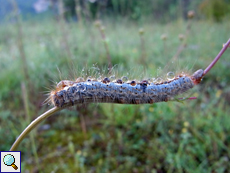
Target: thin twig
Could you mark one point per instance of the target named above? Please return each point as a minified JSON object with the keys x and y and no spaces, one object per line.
{"x":63,"y":26}
{"x":78,"y":12}
{"x":20,"y":43}
{"x":32,"y":125}
{"x":217,"y":57}
{"x":184,"y":38}
{"x":142,"y":47}
{"x":105,"y":41}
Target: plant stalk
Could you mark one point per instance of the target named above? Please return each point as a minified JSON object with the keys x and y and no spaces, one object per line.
{"x":217,"y":57}
{"x":32,"y":125}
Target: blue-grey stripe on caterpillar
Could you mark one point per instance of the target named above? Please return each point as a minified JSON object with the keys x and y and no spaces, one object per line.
{"x":69,"y":93}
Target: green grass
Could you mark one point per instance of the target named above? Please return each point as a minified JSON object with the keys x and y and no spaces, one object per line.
{"x":163,"y":137}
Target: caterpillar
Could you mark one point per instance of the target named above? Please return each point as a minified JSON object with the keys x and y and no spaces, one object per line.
{"x":69,"y":93}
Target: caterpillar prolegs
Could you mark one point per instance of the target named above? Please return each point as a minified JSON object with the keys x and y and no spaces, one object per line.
{"x":68,"y":93}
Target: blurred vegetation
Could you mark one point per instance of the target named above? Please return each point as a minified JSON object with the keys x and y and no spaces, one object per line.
{"x":163,"y":137}
{"x":159,"y":10}
{"x":215,"y":9}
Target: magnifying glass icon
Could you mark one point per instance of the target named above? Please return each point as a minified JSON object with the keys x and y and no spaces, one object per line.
{"x":9,"y":160}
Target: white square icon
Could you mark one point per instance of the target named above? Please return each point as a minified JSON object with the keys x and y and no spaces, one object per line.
{"x":10,"y":161}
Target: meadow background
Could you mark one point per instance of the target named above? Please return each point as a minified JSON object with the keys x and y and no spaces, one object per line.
{"x":144,"y":39}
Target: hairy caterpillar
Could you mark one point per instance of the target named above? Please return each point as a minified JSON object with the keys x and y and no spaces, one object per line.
{"x":68,"y":93}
